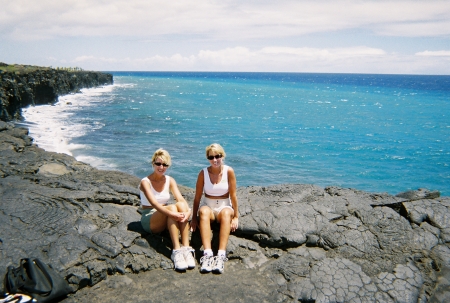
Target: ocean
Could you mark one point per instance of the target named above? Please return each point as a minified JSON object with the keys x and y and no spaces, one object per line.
{"x":377,"y":133}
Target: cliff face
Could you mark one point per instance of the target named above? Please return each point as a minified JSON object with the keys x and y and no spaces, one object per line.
{"x":19,"y":89}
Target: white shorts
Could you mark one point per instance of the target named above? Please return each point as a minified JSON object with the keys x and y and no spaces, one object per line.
{"x":216,"y":204}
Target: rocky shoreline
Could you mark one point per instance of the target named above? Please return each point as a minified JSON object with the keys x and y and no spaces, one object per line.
{"x":295,"y":242}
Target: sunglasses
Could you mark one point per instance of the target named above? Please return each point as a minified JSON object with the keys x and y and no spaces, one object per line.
{"x":216,"y":156}
{"x":159,"y":164}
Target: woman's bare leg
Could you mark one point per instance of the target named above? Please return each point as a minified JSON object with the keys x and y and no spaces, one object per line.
{"x":224,"y":218}
{"x":173,"y":228}
{"x":183,"y":227}
{"x":158,"y":222}
{"x":206,"y":216}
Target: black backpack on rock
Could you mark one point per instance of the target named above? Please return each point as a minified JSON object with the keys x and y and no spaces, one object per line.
{"x":36,"y":279}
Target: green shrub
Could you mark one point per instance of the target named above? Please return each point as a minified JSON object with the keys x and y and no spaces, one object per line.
{"x":19,"y":68}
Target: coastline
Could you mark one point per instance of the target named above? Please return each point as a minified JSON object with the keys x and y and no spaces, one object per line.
{"x":55,"y":135}
{"x":21,"y":86}
{"x":296,"y":242}
{"x":373,"y":157}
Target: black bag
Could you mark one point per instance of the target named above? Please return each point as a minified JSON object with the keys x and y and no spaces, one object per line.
{"x":36,"y":279}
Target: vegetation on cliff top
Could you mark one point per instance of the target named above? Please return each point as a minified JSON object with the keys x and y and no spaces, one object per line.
{"x":20,"y":68}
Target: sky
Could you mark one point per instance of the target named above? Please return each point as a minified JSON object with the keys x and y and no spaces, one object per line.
{"x":322,"y":36}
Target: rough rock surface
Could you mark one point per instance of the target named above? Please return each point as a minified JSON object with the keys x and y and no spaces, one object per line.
{"x":295,"y":243}
{"x":42,"y":86}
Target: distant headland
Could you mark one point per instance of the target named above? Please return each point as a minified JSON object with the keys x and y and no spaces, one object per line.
{"x":23,"y":85}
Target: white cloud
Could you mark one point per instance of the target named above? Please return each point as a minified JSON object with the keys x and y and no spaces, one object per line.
{"x":229,"y":35}
{"x":360,"y":59}
{"x":84,"y":58}
{"x":441,"y":53}
{"x":228,"y":20}
{"x":324,"y":53}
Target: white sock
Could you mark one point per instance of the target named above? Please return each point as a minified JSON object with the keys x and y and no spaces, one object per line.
{"x":208,"y":252}
{"x":222,"y":253}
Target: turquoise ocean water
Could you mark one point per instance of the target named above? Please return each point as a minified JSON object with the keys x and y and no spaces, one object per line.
{"x":378,"y":133}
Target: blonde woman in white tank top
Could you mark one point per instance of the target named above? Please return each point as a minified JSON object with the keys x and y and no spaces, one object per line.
{"x":218,"y":183}
{"x":158,"y":215}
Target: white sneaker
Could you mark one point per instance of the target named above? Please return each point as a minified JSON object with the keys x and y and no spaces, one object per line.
{"x":189,"y":256}
{"x":178,"y":260}
{"x":207,"y":263}
{"x":218,"y":264}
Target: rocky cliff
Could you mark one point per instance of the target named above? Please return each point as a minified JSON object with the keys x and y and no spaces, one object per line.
{"x":21,"y":86}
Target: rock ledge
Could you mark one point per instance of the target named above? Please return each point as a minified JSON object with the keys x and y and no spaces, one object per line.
{"x":295,"y":243}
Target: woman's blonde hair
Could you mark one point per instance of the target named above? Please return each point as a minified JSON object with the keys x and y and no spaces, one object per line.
{"x":217,"y":148}
{"x":164,"y":155}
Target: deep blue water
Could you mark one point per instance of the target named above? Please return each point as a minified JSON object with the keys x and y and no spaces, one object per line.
{"x":378,"y":133}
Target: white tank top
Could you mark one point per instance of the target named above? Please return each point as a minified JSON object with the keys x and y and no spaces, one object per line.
{"x":162,"y":197}
{"x":218,"y":189}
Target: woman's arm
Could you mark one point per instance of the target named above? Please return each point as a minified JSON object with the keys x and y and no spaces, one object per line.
{"x":197,"y":198}
{"x":179,"y":198}
{"x":176,"y":191}
{"x":233,"y":198}
{"x":145,"y":187}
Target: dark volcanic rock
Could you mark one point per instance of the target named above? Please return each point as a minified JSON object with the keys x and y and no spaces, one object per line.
{"x":419,"y":194}
{"x":295,"y":243}
{"x":42,"y":86}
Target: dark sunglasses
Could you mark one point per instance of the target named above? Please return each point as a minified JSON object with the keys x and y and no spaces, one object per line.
{"x":159,"y":164}
{"x":216,"y":156}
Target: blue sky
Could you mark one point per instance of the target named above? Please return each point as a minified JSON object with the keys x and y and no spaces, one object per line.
{"x":400,"y":37}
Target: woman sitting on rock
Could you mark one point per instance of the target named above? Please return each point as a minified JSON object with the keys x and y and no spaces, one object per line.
{"x":158,"y":215}
{"x":220,"y":204}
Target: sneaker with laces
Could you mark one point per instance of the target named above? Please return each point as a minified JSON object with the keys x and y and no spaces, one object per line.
{"x":178,"y":260}
{"x":219,"y":264}
{"x":189,"y":256}
{"x":207,"y":263}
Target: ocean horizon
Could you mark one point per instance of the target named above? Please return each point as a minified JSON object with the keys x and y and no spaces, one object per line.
{"x":377,"y":133}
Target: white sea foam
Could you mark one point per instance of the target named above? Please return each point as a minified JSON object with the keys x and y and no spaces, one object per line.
{"x":51,"y":126}
{"x":96,"y":162}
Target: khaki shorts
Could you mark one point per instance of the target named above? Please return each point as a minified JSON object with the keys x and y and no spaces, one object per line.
{"x":145,"y":218}
{"x":217,"y":205}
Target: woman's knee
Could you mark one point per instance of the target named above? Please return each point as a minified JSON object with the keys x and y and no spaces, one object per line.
{"x":172,"y":207}
{"x":225,"y":215}
{"x":205,"y":212}
{"x":182,"y":206}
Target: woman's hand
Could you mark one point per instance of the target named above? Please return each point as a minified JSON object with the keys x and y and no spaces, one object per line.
{"x":194,"y":224}
{"x":186,"y":215}
{"x":179,"y":217}
{"x":234,"y":224}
